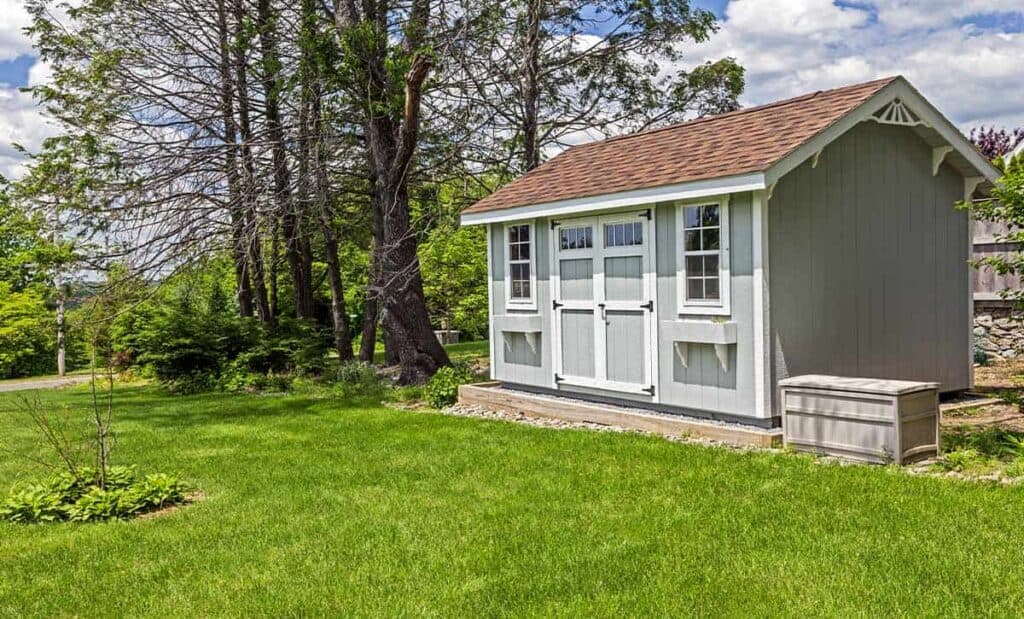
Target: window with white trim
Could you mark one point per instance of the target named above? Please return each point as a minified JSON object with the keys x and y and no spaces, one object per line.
{"x":704,"y":258}
{"x":520,"y":279}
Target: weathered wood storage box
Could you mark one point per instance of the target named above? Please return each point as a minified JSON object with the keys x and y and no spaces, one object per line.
{"x":861,"y":418}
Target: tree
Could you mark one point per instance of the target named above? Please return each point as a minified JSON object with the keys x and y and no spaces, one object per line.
{"x":564,"y":68}
{"x":996,"y":143}
{"x":385,"y":71}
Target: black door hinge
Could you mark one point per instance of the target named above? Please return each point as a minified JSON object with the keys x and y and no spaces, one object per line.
{"x":649,"y":306}
{"x":647,"y":214}
{"x":558,"y":379}
{"x":555,"y":305}
{"x":555,"y":224}
{"x":650,"y":390}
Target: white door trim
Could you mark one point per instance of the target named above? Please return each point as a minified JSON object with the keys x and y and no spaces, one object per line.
{"x":598,"y":304}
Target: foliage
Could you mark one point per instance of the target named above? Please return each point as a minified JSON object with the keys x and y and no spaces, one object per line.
{"x":563,"y":68}
{"x":454,"y":264}
{"x":964,"y":461}
{"x":21,"y":242}
{"x":357,"y":379}
{"x":995,"y":143}
{"x":1006,"y":206}
{"x":124,"y":494}
{"x":443,"y":388}
{"x":188,"y":335}
{"x":26,"y":341}
{"x":980,"y":450}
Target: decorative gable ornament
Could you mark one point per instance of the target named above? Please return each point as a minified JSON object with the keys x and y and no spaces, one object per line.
{"x":896,"y":113}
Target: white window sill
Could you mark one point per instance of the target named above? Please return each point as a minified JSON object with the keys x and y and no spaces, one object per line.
{"x":513,"y":306}
{"x":704,"y":310}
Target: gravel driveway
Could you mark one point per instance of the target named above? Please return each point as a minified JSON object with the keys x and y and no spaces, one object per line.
{"x":45,"y":382}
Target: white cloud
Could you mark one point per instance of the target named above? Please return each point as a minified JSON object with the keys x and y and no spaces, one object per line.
{"x":908,"y":15}
{"x":21,"y":122}
{"x":791,"y":47}
{"x":13,"y":42}
{"x":793,"y":17}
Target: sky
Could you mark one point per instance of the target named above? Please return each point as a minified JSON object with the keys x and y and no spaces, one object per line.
{"x":966,"y":56}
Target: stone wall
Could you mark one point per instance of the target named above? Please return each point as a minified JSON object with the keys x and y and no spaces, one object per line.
{"x":999,"y":330}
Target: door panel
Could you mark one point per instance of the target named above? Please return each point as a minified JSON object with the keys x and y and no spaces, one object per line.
{"x":577,"y":280}
{"x":625,"y":346}
{"x":578,"y":343}
{"x":624,"y":278}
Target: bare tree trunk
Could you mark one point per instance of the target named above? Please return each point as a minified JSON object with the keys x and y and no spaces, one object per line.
{"x":391,"y":139}
{"x":405,"y":314}
{"x":368,"y":341}
{"x":371,"y":309}
{"x":298,"y":253}
{"x":243,"y":289}
{"x":531,"y":88}
{"x":251,"y":228}
{"x":61,"y":343}
{"x":275,"y":261}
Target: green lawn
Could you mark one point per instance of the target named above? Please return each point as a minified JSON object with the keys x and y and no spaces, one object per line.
{"x":324,"y":506}
{"x":463,"y":351}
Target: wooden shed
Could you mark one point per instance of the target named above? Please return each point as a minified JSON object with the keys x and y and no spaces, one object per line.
{"x":688,"y":269}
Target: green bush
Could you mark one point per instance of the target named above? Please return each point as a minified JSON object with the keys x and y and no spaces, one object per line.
{"x":358,"y":378}
{"x":443,"y":388}
{"x":26,"y":343}
{"x":64,"y":497}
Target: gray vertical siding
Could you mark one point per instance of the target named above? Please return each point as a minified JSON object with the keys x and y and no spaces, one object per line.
{"x":703,"y":385}
{"x":518,"y":363}
{"x":868,"y":264}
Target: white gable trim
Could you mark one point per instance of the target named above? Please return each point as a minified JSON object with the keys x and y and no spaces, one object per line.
{"x":665,"y":193}
{"x":908,"y":96}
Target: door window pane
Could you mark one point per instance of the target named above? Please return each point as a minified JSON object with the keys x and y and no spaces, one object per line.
{"x":625,"y":234}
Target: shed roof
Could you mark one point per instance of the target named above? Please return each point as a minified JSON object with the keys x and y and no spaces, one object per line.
{"x":748,"y":140}
{"x":726,"y":146}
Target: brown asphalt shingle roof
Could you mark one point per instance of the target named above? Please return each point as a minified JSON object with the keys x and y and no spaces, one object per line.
{"x":741,"y":142}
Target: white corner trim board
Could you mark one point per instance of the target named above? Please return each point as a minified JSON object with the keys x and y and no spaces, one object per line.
{"x":666,"y":193}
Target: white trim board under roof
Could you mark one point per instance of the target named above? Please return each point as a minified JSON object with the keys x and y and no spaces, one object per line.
{"x":665,"y":193}
{"x":914,"y":111}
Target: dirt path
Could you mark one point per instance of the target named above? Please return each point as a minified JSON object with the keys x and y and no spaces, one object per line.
{"x":42,"y":382}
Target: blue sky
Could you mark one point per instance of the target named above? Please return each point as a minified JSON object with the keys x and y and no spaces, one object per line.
{"x":966,"y":56}
{"x":15,"y":72}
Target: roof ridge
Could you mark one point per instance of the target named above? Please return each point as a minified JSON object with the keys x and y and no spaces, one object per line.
{"x":741,"y":111}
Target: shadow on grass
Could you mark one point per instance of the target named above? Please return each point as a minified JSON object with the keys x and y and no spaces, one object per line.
{"x":158,"y":407}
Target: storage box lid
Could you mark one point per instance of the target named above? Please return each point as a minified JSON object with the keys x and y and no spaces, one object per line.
{"x":861,"y":385}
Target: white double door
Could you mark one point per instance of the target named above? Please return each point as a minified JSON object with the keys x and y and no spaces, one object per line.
{"x":603,"y":291}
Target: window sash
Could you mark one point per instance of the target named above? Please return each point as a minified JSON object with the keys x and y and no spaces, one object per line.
{"x":519,"y":243}
{"x":700,"y":230}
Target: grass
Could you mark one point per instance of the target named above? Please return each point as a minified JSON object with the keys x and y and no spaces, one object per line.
{"x":461,"y":352}
{"x":319,"y":505}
